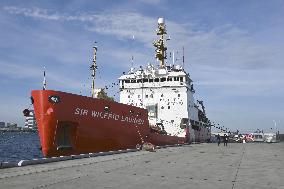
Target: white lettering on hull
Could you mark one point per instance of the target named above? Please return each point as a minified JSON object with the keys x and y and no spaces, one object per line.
{"x":79,"y":111}
{"x":108,"y":116}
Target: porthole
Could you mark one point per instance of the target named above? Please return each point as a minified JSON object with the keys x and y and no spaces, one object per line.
{"x":106,"y":108}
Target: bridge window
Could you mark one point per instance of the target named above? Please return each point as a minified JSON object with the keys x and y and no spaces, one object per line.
{"x":176,"y":78}
{"x":150,"y":80}
{"x":127,"y":81}
{"x":181,"y":79}
{"x":156,"y":79}
{"x":163,"y":79}
{"x":145,"y":80}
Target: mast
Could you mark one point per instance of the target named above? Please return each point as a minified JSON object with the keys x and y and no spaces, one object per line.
{"x":93,"y":68}
{"x":132,"y":47}
{"x":160,"y":43}
{"x":182,"y":57}
{"x":132,"y":60}
{"x":173,"y":57}
{"x":44,"y":80}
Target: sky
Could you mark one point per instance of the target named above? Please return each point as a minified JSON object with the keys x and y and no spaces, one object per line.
{"x":234,"y":52}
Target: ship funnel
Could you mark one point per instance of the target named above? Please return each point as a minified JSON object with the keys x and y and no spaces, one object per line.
{"x":161,"y":21}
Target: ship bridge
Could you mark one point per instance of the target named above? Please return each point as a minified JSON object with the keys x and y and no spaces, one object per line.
{"x":166,"y":91}
{"x":151,"y":77}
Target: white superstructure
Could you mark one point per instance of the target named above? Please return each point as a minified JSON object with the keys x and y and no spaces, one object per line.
{"x":167,"y":93}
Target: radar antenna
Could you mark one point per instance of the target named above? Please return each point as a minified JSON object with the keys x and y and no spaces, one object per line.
{"x":93,"y":68}
{"x":160,"y":43}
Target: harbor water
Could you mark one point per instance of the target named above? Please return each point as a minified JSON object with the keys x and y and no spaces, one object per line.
{"x":15,"y":146}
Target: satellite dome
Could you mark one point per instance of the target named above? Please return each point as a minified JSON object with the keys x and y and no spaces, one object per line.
{"x":161,"y":21}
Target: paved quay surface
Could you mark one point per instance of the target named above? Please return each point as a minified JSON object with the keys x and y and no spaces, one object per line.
{"x":238,"y":166}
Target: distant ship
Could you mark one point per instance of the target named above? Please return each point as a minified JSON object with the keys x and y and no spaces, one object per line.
{"x":156,"y":106}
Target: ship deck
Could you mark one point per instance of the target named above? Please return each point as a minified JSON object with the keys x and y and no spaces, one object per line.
{"x":251,"y":165}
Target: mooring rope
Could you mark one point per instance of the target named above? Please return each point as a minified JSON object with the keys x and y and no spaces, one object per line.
{"x":139,"y":134}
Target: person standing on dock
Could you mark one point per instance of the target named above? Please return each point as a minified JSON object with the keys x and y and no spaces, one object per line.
{"x":225,"y":140}
{"x":218,"y":139}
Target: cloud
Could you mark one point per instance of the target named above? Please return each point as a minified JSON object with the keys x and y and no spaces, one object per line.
{"x":226,"y":47}
{"x":122,"y":24}
{"x":235,"y":82}
{"x":125,"y":25}
{"x":223,"y":46}
{"x":45,"y":14}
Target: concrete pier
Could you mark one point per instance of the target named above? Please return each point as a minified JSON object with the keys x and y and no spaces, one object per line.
{"x":237,"y":166}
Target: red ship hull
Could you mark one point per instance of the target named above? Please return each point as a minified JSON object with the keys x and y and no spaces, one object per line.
{"x":73,"y":124}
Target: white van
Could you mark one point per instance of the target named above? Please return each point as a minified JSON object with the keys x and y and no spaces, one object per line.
{"x":258,"y":137}
{"x":270,"y":137}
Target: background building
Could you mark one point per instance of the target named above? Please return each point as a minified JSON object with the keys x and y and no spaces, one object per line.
{"x":12,"y":125}
{"x":2,"y":124}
